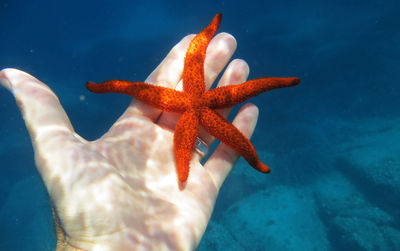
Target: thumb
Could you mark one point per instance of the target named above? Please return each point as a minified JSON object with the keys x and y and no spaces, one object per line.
{"x":45,"y":119}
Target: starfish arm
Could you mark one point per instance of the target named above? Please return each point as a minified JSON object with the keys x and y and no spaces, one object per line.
{"x":163,"y":98}
{"x":228,"y":96}
{"x":193,"y":73}
{"x":185,"y":135}
{"x":223,"y":130}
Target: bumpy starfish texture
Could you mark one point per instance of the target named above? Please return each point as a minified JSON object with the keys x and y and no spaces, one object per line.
{"x":197,"y":105}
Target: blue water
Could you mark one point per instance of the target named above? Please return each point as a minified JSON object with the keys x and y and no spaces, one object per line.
{"x":332,"y":142}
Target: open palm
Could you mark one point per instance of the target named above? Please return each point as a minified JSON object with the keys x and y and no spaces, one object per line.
{"x":121,"y":191}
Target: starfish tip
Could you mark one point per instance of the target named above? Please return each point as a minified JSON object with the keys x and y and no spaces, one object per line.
{"x":182,"y":178}
{"x":183,"y":174}
{"x":295,"y":81}
{"x":217,"y":19}
{"x":90,"y":86}
{"x":263,"y":168}
{"x":291,"y":81}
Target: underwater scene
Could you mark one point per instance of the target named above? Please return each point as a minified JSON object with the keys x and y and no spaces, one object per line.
{"x":332,"y":142}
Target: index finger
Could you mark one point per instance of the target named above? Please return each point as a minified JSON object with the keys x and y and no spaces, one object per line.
{"x":167,"y":74}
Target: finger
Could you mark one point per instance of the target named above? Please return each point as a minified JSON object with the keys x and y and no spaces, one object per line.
{"x":236,"y":73}
{"x":167,"y":74}
{"x":219,"y":52}
{"x":46,"y":120}
{"x":222,"y":160}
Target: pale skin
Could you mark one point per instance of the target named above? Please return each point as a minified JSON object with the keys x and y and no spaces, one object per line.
{"x":120,"y":192}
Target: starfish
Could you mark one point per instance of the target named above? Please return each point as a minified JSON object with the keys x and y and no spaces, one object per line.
{"x":197,"y":106}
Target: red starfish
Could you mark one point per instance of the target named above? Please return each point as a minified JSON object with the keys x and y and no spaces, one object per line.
{"x":197,"y":105}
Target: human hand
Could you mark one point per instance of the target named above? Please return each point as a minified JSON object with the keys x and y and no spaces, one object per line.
{"x":120,"y":192}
